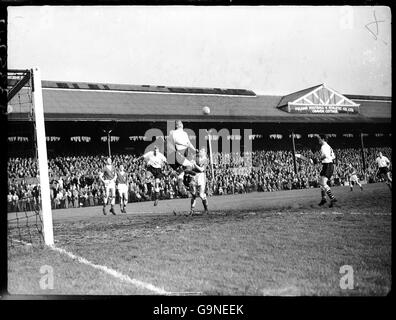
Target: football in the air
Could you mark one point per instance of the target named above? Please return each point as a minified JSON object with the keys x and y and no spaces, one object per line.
{"x":206,"y":110}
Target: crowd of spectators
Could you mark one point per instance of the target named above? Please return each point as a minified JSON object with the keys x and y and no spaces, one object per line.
{"x":74,"y":180}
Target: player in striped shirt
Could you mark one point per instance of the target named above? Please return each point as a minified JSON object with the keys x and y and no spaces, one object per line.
{"x":353,"y":178}
{"x":108,"y":176}
{"x":122,"y":186}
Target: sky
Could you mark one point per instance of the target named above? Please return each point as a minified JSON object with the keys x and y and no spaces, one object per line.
{"x":274,"y":50}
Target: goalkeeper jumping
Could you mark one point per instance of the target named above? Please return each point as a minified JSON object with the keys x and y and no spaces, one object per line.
{"x":178,"y":146}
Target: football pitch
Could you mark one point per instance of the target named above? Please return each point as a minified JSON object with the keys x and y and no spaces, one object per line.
{"x":268,"y":243}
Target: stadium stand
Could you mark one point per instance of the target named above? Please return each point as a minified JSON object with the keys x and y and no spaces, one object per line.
{"x":75,"y":183}
{"x":77,"y":114}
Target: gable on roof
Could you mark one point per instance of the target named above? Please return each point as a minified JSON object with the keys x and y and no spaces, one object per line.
{"x":319,"y":99}
{"x":295,"y":95}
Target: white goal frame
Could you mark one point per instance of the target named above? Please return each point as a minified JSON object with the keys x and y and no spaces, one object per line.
{"x":34,"y":77}
{"x":42,"y":157}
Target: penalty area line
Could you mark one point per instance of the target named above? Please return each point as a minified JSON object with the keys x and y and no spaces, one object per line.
{"x":116,"y":274}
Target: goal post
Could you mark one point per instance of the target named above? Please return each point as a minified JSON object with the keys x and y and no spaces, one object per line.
{"x":42,"y":157}
{"x":210,"y":154}
{"x":24,"y":95}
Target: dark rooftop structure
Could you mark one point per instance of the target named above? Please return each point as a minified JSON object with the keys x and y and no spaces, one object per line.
{"x":80,"y":101}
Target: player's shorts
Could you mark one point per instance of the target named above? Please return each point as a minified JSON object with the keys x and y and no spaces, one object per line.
{"x":156,"y":172}
{"x":198,"y":184}
{"x":327,"y":170}
{"x":122,"y":188}
{"x":188,"y":180}
{"x":383,"y":171}
{"x":110,"y":186}
{"x":354,"y":178}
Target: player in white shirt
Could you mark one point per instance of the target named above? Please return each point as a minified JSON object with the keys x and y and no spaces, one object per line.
{"x":108,"y":176}
{"x":155,"y":162}
{"x":326,"y":156}
{"x":383,"y":172}
{"x":178,"y":146}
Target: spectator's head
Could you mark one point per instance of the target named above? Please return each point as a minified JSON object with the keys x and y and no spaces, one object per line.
{"x":121,"y":167}
{"x":108,"y":161}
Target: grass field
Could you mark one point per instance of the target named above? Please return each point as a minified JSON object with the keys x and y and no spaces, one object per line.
{"x":257,"y":244}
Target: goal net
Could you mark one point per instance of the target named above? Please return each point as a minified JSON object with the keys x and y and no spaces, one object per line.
{"x":29,"y":203}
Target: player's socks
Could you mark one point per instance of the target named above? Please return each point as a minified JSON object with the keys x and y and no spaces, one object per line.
{"x":156,"y":196}
{"x":323,"y":194}
{"x":112,"y":210}
{"x":330,"y":194}
{"x":104,"y":210}
{"x":205,"y":204}
{"x":180,"y":188}
{"x":193,"y":202}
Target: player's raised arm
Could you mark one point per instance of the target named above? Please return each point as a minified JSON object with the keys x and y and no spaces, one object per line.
{"x":115,"y":177}
{"x":138,"y":159}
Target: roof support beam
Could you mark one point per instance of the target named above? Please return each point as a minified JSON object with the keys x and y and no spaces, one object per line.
{"x":18,"y":86}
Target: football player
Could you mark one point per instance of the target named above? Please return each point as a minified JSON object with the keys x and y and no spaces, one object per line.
{"x":122,"y":186}
{"x":353,"y":178}
{"x":108,"y":176}
{"x":198,"y":182}
{"x":383,"y":172}
{"x":155,"y":162}
{"x":178,"y":146}
{"x":326,"y":156}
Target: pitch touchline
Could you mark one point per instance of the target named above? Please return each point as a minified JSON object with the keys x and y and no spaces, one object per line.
{"x":113,"y":272}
